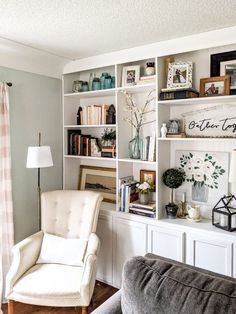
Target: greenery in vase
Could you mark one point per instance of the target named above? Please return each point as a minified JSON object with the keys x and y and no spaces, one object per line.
{"x":138,"y":114}
{"x":143,"y":188}
{"x":109,"y":135}
{"x":201,"y":170}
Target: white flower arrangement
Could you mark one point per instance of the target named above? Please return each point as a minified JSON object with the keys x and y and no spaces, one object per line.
{"x":201,"y":171}
{"x":143,"y":188}
{"x":137,"y":120}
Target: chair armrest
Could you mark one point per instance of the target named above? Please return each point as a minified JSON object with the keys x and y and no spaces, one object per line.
{"x":111,"y":305}
{"x":89,"y":268}
{"x":25,"y":255}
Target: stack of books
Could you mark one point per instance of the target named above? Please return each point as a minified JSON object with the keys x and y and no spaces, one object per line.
{"x":148,"y":210}
{"x":146,"y":79}
{"x":127,"y":193}
{"x":94,"y":114}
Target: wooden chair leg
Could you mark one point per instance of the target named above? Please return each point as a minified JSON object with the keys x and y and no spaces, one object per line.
{"x":10,"y":307}
{"x":84,"y":309}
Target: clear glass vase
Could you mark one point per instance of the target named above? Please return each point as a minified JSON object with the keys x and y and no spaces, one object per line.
{"x":135,"y":147}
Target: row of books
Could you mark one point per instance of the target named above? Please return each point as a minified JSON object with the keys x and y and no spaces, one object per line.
{"x":93,"y":115}
{"x":148,"y":148}
{"x":128,"y":199}
{"x":127,"y":193}
{"x":82,"y":144}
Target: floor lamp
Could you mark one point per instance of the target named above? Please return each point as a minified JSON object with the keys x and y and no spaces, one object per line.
{"x":39,"y":157}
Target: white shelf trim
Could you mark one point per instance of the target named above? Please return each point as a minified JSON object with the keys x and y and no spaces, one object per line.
{"x":199,"y":100}
{"x":198,"y":139}
{"x":137,"y":161}
{"x":95,"y":93}
{"x":89,"y":157}
{"x":90,"y":126}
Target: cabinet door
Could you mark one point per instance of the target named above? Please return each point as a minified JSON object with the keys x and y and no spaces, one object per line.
{"x":104,"y":232}
{"x":166,"y":242}
{"x":130,"y":240}
{"x":210,"y":253}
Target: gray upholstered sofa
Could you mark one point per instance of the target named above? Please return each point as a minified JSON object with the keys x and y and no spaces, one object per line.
{"x":153,"y":284}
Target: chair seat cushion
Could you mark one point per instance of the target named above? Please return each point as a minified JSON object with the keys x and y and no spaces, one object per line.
{"x":50,"y":281}
{"x":59,"y":250}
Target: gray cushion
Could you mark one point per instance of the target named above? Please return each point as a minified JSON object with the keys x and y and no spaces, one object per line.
{"x":163,"y":286}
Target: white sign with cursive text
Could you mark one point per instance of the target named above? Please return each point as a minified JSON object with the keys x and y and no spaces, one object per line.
{"x":217,"y":121}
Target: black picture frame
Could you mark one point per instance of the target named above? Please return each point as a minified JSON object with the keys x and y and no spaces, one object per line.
{"x":217,"y":58}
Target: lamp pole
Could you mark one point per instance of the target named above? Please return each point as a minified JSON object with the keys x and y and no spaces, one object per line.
{"x":39,"y":192}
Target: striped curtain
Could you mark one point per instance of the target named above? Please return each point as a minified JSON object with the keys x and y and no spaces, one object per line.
{"x":6,"y":207}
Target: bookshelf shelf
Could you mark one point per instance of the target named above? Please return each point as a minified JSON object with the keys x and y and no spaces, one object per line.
{"x":196,"y":139}
{"x":199,"y":101}
{"x":89,"y":157}
{"x":137,"y":161}
{"x":90,"y":126}
{"x":138,"y":88}
{"x":91,"y":94}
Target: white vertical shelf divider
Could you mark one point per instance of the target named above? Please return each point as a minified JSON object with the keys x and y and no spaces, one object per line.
{"x":117,"y":137}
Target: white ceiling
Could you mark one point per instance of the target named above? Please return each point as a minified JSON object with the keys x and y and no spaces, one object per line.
{"x":77,"y":29}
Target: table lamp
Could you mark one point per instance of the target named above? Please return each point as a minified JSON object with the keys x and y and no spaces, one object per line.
{"x":39,"y":157}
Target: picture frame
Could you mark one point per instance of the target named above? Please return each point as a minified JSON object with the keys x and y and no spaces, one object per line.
{"x":224,"y":63}
{"x":130,"y":75}
{"x":180,"y":75}
{"x":99,"y":179}
{"x":214,"y":86}
{"x":148,"y":176}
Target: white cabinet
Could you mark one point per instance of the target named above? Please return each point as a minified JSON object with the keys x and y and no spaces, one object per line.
{"x":211,"y":253}
{"x":166,"y":242}
{"x":129,"y":239}
{"x":104,"y":232}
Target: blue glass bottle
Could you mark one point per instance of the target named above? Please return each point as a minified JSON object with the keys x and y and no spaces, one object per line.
{"x":107,"y":82}
{"x":102,"y":79}
{"x":96,"y":84}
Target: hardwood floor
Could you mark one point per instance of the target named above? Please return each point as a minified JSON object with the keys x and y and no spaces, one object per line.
{"x":101,"y":293}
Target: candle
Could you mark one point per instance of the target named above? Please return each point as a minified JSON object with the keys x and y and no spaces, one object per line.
{"x":184,"y":197}
{"x":223,"y":220}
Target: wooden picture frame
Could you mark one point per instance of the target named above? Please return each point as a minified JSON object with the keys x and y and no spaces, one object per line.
{"x":214,"y":86}
{"x":99,"y":179}
{"x":148,"y":176}
{"x":219,"y":64}
{"x":130,"y":75}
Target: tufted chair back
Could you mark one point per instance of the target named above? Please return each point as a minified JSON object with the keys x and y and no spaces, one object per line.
{"x":70,"y":214}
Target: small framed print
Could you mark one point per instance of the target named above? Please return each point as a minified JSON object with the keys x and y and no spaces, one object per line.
{"x":130,"y":75}
{"x":148,"y":176}
{"x":180,"y":75}
{"x":224,"y":63}
{"x":99,"y":179}
{"x":214,"y":86}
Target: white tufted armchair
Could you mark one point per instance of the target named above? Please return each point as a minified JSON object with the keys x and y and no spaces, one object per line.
{"x":69,"y":214}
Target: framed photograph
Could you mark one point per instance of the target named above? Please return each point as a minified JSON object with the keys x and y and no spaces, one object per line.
{"x":173,"y":126}
{"x":130,"y":75}
{"x":206,"y":175}
{"x":214,"y":86}
{"x":148,"y":176}
{"x":225,"y":64}
{"x":180,"y":75}
{"x":99,"y":179}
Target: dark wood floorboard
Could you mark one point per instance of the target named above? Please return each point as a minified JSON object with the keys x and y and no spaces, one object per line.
{"x":101,"y":293}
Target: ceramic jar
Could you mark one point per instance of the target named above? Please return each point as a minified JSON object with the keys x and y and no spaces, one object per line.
{"x":150,"y":68}
{"x":85,"y":87}
{"x":143,"y":198}
{"x":107,"y":82}
{"x":96,"y":84}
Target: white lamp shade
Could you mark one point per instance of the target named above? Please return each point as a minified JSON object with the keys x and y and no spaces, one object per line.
{"x":232,"y":171}
{"x":39,"y":157}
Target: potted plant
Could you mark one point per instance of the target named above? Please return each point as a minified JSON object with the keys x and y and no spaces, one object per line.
{"x":143,"y":190}
{"x":173,"y":178}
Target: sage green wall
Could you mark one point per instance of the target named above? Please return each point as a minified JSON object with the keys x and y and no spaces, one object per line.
{"x":35,"y":105}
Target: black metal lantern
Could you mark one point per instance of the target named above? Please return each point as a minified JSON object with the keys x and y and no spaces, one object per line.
{"x":224,"y":215}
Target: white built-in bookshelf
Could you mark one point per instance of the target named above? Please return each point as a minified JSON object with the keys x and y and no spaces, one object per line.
{"x":164,"y":111}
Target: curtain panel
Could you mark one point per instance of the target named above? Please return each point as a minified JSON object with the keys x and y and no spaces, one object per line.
{"x":6,"y":205}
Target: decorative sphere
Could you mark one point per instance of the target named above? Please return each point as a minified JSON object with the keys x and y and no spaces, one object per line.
{"x":173,"y":178}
